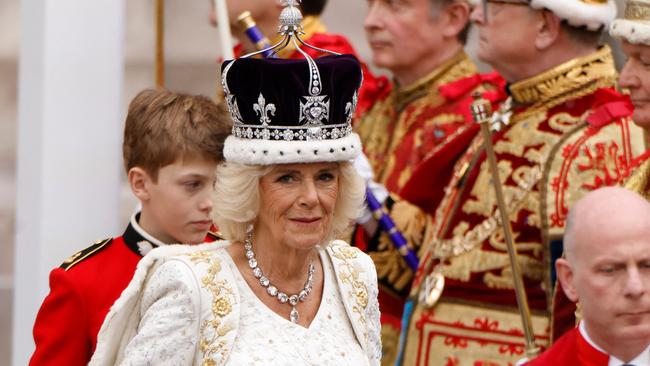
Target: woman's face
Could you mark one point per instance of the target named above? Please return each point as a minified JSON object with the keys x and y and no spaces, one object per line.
{"x":297,"y":203}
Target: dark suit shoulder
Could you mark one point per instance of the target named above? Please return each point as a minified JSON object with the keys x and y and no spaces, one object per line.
{"x":85,"y":253}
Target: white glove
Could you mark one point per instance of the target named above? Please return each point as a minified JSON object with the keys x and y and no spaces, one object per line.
{"x":362,"y":165}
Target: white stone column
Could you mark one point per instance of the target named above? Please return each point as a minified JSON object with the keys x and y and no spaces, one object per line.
{"x":69,"y":143}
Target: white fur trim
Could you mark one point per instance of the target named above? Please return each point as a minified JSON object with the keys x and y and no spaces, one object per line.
{"x":636,"y":32}
{"x":580,"y":13}
{"x":144,"y":247}
{"x":268,"y":152}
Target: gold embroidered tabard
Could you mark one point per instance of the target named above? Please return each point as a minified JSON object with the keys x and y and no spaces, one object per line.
{"x":399,"y":131}
{"x":549,"y":155}
{"x":411,"y":137}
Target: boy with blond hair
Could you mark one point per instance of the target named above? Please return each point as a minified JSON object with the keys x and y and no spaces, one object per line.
{"x":172,"y":145}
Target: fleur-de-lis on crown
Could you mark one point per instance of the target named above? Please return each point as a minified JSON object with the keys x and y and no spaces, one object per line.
{"x":350,"y":107}
{"x":263,"y":109}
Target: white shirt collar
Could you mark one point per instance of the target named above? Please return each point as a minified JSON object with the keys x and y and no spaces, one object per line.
{"x":643,"y":359}
{"x":140,"y":230}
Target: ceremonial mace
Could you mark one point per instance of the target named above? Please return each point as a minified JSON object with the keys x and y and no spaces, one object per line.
{"x":160,"y":43}
{"x":254,"y":33}
{"x":481,"y":109}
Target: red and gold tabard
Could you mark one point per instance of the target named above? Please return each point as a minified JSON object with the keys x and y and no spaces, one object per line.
{"x":568,"y":133}
{"x":315,"y":34}
{"x":399,"y":134}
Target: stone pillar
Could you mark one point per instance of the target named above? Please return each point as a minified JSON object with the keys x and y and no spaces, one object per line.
{"x":69,"y":143}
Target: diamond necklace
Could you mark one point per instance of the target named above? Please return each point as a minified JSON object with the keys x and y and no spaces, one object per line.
{"x":272,"y":290}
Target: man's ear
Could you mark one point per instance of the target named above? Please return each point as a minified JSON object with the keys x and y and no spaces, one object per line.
{"x":565,"y":275}
{"x":457,"y":14}
{"x":140,"y":183}
{"x":549,"y":28}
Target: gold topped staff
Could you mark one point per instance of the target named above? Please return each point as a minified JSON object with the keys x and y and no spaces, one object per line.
{"x":481,"y":110}
{"x":160,"y":43}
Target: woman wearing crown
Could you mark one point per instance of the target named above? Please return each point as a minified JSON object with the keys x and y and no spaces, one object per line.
{"x":281,"y":290}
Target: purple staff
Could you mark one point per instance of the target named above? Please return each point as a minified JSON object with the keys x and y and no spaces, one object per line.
{"x":388,"y":226}
{"x":245,"y":19}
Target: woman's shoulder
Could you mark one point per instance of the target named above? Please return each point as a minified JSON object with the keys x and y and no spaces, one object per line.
{"x":341,"y":250}
{"x":183,"y":265}
{"x":348,"y":258}
{"x":184,"y":252}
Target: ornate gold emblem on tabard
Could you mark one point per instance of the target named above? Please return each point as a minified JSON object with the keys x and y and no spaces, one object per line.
{"x":636,"y":10}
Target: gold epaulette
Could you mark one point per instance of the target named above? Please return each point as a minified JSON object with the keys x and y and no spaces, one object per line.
{"x":215,"y":235}
{"x":85,"y":253}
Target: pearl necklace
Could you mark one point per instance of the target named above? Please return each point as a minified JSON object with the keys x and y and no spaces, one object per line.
{"x":272,"y":290}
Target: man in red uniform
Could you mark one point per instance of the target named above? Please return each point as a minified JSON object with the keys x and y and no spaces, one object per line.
{"x":634,"y":31}
{"x":266,"y":14}
{"x":425,"y":113}
{"x":607,"y":268}
{"x":172,"y":145}
{"x":564,"y":131}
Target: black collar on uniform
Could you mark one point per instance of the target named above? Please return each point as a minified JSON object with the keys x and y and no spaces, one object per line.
{"x":139,"y":241}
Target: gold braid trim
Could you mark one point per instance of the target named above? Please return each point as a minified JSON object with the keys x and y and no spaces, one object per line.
{"x":637,"y":10}
{"x":570,"y":80}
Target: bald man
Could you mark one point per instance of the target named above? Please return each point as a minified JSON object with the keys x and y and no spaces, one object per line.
{"x":607,"y":269}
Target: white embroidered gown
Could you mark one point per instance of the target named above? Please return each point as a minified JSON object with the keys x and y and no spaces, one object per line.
{"x":266,"y":338}
{"x":189,"y":305}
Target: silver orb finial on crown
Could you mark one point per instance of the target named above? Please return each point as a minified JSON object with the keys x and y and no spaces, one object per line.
{"x":290,"y":17}
{"x":290,"y":29}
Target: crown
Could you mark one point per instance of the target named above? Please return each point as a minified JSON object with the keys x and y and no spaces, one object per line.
{"x":290,"y":111}
{"x":634,"y":27}
{"x":594,"y":15}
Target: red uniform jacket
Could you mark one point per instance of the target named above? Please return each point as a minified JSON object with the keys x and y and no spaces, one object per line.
{"x":572,"y":349}
{"x":82,"y":291}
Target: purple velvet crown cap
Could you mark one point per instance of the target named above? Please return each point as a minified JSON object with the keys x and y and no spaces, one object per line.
{"x":291,"y":111}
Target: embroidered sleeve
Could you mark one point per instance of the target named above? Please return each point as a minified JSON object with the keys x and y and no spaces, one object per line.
{"x":169,"y":326}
